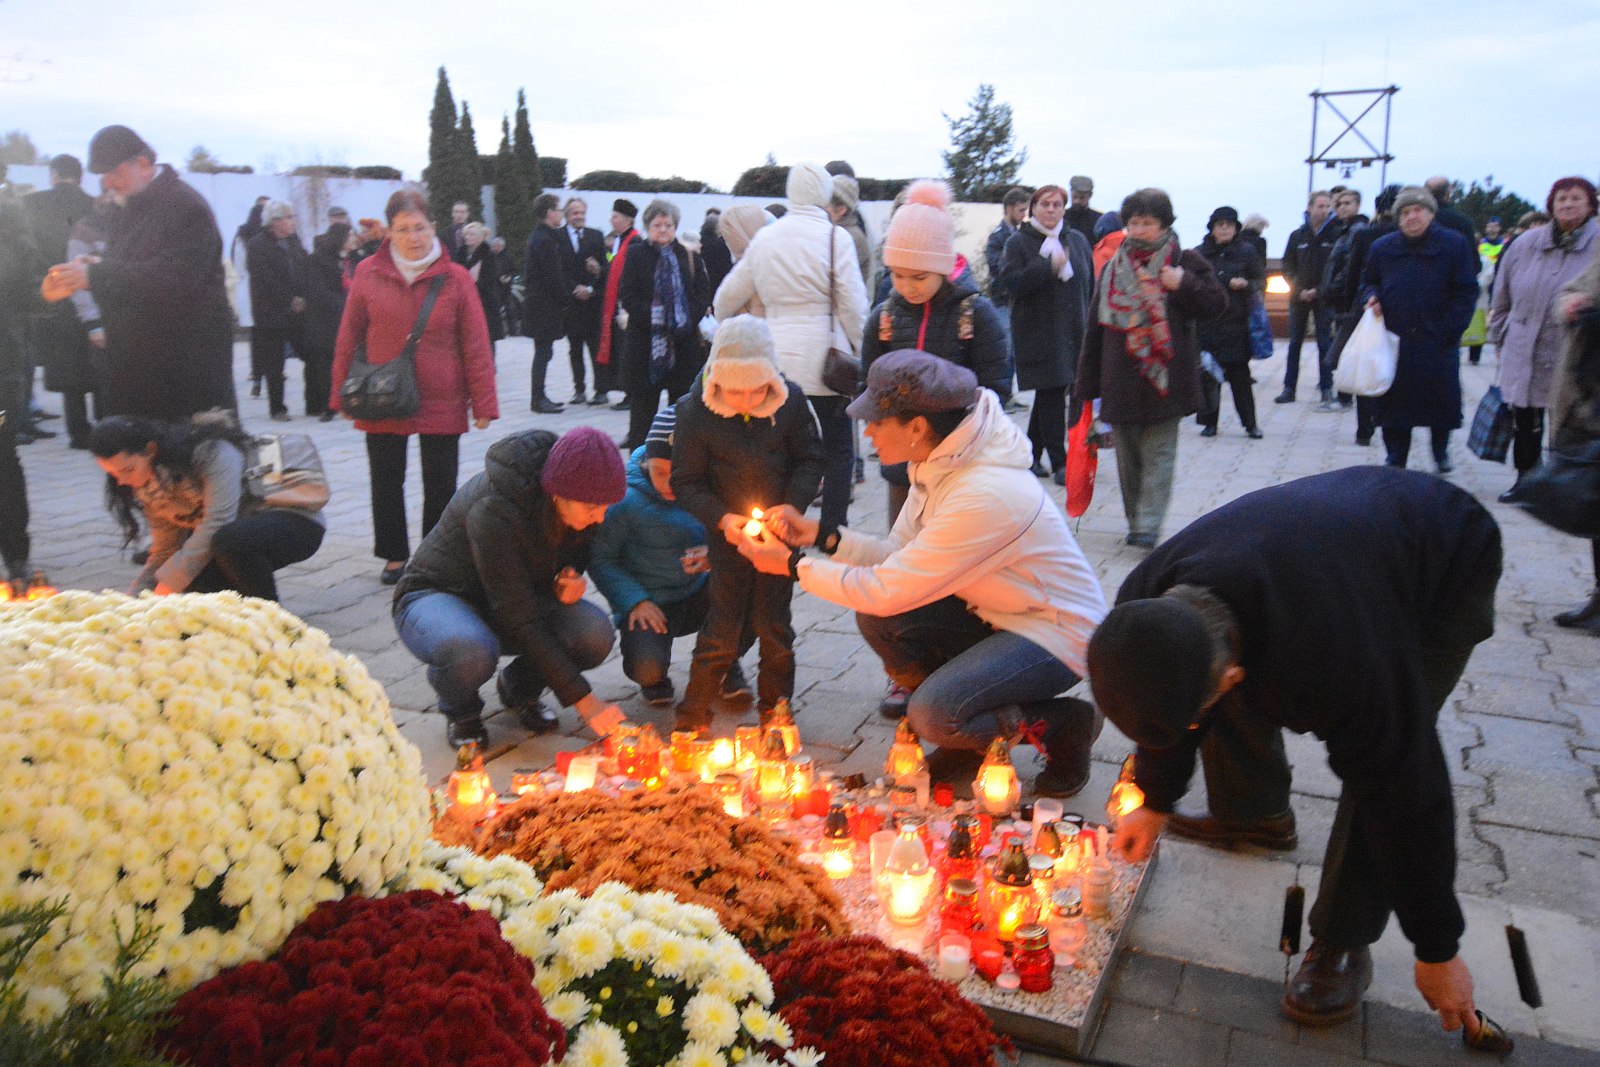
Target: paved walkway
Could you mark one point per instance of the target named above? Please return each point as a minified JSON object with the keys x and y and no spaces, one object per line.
{"x":1522,"y":734}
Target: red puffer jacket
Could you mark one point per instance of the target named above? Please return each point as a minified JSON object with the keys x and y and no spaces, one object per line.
{"x":455,"y":364}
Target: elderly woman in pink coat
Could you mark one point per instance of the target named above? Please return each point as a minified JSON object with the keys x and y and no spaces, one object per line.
{"x":1523,"y":319}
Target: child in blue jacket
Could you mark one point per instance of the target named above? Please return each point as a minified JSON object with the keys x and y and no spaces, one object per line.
{"x":651,"y":563}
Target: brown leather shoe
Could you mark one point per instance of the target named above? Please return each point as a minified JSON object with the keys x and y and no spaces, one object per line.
{"x":1328,"y":987}
{"x":1278,"y":832}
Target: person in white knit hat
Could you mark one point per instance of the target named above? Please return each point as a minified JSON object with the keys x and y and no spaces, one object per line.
{"x":745,"y":439}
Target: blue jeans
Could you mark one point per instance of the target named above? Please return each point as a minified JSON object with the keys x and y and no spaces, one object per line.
{"x":1299,"y":314}
{"x":963,"y":671}
{"x":461,"y":649}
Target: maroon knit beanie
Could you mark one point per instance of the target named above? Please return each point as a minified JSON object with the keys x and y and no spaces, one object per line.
{"x":585,"y":466}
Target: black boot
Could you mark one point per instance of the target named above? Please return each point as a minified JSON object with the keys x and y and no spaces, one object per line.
{"x":1071,"y":727}
{"x":1586,"y":617}
{"x":1514,"y":494}
{"x":1329,"y":985}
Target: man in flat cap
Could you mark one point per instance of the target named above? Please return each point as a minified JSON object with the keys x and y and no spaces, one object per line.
{"x":1223,"y":636}
{"x":1080,"y":216}
{"x":160,"y":288}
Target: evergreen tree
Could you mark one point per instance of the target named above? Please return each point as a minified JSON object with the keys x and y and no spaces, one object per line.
{"x":522,"y":150}
{"x":466,"y":172}
{"x":441,"y":142}
{"x":980,"y":164}
{"x":513,"y":219}
{"x":1483,"y":201}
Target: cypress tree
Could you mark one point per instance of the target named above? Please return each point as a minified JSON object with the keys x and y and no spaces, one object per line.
{"x":467,"y":174}
{"x":522,"y":149}
{"x":512,"y":218}
{"x":441,"y":143}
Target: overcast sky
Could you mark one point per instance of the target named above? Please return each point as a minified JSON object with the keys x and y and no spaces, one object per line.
{"x":1209,"y":100}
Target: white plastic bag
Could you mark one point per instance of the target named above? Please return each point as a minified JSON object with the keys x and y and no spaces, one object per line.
{"x":708,"y":328}
{"x":1366,"y":365}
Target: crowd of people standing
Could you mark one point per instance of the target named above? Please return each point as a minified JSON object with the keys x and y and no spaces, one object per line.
{"x":748,"y":354}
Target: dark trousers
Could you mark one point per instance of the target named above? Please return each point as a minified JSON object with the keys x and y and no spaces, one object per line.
{"x":246,"y":552}
{"x":838,"y":457}
{"x":970,"y":682}
{"x":319,"y":379}
{"x":386,"y":464}
{"x":1300,"y":313}
{"x":75,"y":413}
{"x":269,"y":347}
{"x":14,"y":543}
{"x":1527,"y":437}
{"x":1244,"y":397}
{"x":1397,"y":443}
{"x":644,"y":399}
{"x":543,"y":352}
{"x":587,"y":336}
{"x":1047,"y":426}
{"x":1352,"y":908}
{"x":646,"y":655}
{"x":742,"y":598}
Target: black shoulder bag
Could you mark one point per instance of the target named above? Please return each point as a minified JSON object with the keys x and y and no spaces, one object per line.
{"x":841,"y":371}
{"x":378,"y":391}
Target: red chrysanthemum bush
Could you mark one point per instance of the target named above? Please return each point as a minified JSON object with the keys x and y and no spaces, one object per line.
{"x":864,"y":1004}
{"x":410,"y":980}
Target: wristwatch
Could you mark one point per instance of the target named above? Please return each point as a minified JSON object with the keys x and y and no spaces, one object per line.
{"x":795,"y":556}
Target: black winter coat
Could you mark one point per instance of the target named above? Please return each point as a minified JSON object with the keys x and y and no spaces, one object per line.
{"x":489,"y":294}
{"x":1227,"y":337}
{"x":722,"y":465}
{"x":499,"y":546}
{"x":1409,"y":565}
{"x":546,"y":288}
{"x":1307,"y":253}
{"x":325,"y":294}
{"x":958,"y":324}
{"x":51,"y":213}
{"x":636,"y":291}
{"x":1048,"y":316}
{"x":1107,"y":372}
{"x":1428,"y":289}
{"x":164,"y":305}
{"x":277,"y":276}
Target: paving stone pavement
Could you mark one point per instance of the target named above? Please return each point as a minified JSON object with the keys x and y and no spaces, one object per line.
{"x":1522,"y":733}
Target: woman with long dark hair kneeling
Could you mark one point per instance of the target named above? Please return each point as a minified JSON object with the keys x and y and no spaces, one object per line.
{"x":208,"y":533}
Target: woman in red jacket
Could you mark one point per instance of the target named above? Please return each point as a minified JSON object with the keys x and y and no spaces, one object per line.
{"x":454,"y":363}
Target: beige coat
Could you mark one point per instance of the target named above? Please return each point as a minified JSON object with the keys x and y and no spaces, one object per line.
{"x":1569,"y":395}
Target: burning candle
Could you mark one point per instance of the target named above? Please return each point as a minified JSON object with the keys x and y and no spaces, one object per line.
{"x":723,"y":756}
{"x":581,"y":773}
{"x":839,"y":857}
{"x":731,"y":791}
{"x":754,"y":529}
{"x":524,"y":780}
{"x":747,"y":747}
{"x":1126,"y":796}
{"x":996,"y":786}
{"x":907,"y":879}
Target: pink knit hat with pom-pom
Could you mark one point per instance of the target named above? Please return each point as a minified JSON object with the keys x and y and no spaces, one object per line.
{"x":922,"y":235}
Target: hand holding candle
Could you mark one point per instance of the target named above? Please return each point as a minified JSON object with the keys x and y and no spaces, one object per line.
{"x":753,"y":529}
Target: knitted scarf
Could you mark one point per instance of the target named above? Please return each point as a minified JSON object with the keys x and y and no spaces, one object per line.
{"x":669,"y":311}
{"x":411,"y":269}
{"x":1134,"y":302}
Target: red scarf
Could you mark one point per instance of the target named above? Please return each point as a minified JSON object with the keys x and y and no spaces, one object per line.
{"x":1134,"y":301}
{"x":608,"y":314}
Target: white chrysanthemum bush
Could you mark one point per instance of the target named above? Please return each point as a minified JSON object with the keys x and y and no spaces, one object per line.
{"x":637,"y":978}
{"x":206,"y":765}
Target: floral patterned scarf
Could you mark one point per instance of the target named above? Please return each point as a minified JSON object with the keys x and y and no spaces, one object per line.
{"x":1134,"y":302}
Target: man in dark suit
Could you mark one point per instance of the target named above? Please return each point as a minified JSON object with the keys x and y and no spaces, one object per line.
{"x":277,"y":300}
{"x":547,"y":294}
{"x":583,"y":255}
{"x":59,"y":342}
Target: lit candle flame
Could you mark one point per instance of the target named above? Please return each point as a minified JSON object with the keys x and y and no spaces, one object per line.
{"x":753,"y":528}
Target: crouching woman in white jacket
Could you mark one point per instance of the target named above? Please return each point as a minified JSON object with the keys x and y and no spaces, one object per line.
{"x":979,"y":600}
